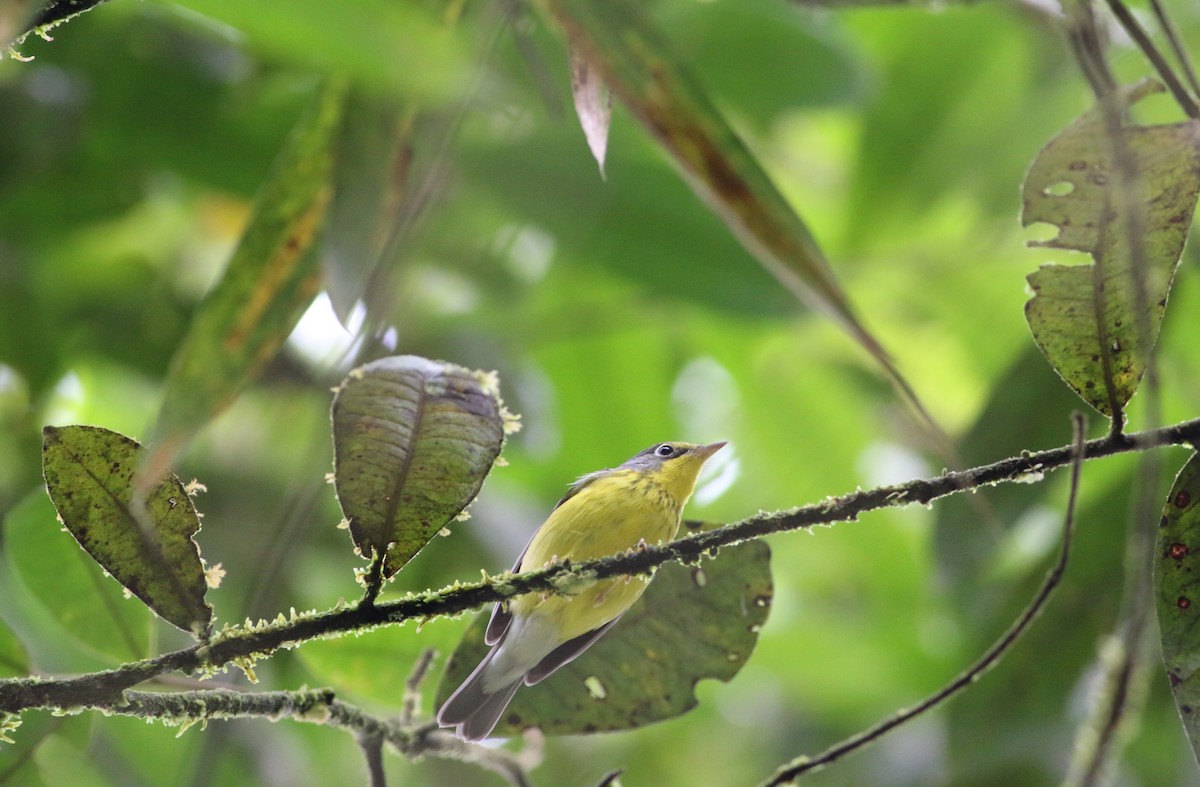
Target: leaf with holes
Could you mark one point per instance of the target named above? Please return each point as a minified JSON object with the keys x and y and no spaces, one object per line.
{"x":413,"y":441}
{"x":693,"y":622}
{"x":1088,"y":320}
{"x":89,"y":474}
{"x":1177,"y":587}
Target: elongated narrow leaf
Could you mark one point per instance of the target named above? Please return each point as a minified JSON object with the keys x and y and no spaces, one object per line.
{"x":637,"y":64}
{"x":1085,"y":318}
{"x":413,"y":441}
{"x":693,"y":622}
{"x":269,"y":282}
{"x":373,"y":153}
{"x":89,"y":474}
{"x":1177,"y":586}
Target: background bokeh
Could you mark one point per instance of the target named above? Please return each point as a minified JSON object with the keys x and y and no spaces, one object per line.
{"x":618,"y":312}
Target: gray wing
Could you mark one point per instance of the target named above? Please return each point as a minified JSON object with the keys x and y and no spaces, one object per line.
{"x":566,"y":653}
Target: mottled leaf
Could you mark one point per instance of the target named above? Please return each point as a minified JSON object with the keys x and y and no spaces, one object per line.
{"x":693,"y":622}
{"x":271,"y":279}
{"x":1177,"y":587}
{"x":593,"y":105}
{"x":413,"y":441}
{"x":638,"y":65}
{"x":89,"y":474}
{"x":68,"y":587}
{"x":1085,"y":318}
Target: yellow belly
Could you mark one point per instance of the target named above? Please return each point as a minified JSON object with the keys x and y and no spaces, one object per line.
{"x":606,"y":517}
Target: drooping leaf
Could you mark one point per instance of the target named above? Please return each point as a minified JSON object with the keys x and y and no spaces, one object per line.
{"x":373,"y":154}
{"x":1085,"y":318}
{"x":638,"y":65}
{"x":693,"y":622}
{"x":593,"y":105}
{"x":269,"y":282}
{"x":413,"y":441}
{"x":1177,"y":589}
{"x":89,"y":474}
{"x":69,"y":587}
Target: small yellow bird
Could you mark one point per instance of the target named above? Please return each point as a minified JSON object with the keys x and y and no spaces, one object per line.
{"x":603,"y":513}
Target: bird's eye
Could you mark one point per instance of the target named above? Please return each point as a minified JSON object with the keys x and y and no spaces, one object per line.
{"x":664,"y":450}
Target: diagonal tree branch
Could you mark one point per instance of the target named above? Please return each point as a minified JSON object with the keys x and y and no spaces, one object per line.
{"x":243,"y":645}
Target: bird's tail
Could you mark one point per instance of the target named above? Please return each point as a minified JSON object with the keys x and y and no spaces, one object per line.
{"x":474,"y":711}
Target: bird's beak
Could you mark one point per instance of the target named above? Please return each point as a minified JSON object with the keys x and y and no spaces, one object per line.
{"x":705,"y":451}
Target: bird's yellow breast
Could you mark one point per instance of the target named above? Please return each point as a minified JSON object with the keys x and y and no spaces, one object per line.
{"x":607,"y":516}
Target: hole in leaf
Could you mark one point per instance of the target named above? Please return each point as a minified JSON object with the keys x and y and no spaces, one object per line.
{"x":1060,"y":189}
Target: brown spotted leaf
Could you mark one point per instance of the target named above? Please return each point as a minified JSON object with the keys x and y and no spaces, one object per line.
{"x":1085,"y":318}
{"x":1177,"y":588}
{"x":89,"y":474}
{"x":413,"y":441}
{"x":692,"y":623}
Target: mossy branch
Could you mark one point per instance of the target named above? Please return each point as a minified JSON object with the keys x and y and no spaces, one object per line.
{"x":244,"y":644}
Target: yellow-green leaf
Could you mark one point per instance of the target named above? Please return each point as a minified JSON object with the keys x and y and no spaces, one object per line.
{"x":271,"y":279}
{"x":89,"y":474}
{"x":413,"y":441}
{"x":693,"y":622}
{"x":1085,"y":318}
{"x":1177,"y":588}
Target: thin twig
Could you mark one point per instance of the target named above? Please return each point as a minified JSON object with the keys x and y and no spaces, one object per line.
{"x":1181,"y":53}
{"x":792,"y":770}
{"x":373,"y":579}
{"x":372,"y":746}
{"x":412,"y":686}
{"x":1127,"y":20}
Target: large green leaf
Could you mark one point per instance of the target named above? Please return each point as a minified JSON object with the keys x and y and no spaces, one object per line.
{"x":269,"y":282}
{"x":693,"y":622}
{"x":1086,"y":318}
{"x":68,"y":585}
{"x":89,"y":474}
{"x":413,"y":441}
{"x":1177,"y":587}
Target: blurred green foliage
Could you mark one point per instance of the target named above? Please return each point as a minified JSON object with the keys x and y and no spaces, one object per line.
{"x":618,"y":313}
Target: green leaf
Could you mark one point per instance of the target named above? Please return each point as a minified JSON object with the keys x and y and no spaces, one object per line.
{"x":89,"y":474}
{"x":14,"y":661}
{"x":693,"y":622}
{"x":1085,"y":318}
{"x":374,"y":665}
{"x":269,"y":282}
{"x":69,"y":586}
{"x":639,"y":67}
{"x":413,"y":441}
{"x":1177,"y":587}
